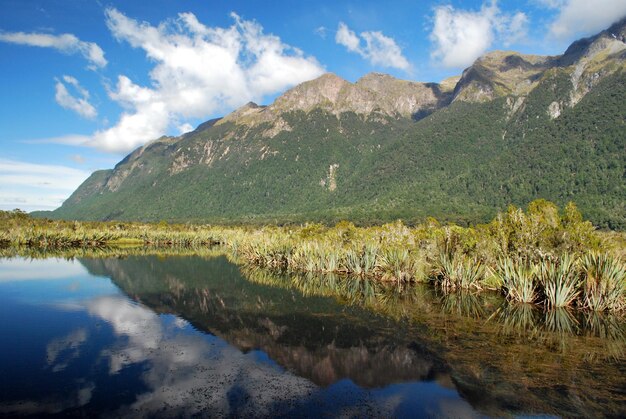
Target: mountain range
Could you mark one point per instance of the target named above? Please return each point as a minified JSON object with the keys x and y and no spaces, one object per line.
{"x":510,"y":129}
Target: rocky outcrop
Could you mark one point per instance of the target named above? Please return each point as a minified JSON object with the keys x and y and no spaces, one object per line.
{"x":506,"y":73}
{"x":501,"y":73}
{"x":324,"y":92}
{"x":375,"y":93}
{"x":402,"y":97}
{"x":612,"y":40}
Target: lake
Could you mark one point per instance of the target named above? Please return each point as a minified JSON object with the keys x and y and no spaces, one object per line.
{"x":177,"y":336}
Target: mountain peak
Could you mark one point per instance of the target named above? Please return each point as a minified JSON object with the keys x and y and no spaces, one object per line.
{"x":374,"y":76}
{"x":500,"y":73}
{"x":612,"y":40}
{"x":248,"y":110}
{"x":373,"y":93}
{"x":377,"y":81}
{"x":618,"y":29}
{"x":321,"y":91}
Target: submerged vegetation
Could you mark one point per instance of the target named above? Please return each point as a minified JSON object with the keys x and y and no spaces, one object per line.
{"x":542,"y":256}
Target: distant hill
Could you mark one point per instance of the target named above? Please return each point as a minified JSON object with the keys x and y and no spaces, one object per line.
{"x":510,"y":129}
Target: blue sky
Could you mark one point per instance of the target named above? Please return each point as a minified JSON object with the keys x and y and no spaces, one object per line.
{"x":86,"y":81}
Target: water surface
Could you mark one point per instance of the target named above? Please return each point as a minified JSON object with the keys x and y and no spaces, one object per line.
{"x":182,"y":336}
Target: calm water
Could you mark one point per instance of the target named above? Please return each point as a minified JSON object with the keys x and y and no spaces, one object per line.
{"x":183,"y":336}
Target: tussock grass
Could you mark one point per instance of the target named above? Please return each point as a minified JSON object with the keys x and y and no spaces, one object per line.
{"x":543,"y":256}
{"x":560,"y":281}
{"x":593,"y":281}
{"x":603,"y":282}
{"x":458,"y":272}
{"x":518,"y":280}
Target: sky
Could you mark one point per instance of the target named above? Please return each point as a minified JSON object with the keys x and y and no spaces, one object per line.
{"x":84,"y":82}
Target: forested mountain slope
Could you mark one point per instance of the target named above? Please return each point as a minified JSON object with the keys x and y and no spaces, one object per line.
{"x":513,"y":128}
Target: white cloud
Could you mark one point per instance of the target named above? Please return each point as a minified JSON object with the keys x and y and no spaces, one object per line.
{"x":61,"y":351}
{"x":66,"y":43}
{"x":184,"y":128}
{"x":384,"y":51}
{"x":550,"y":4}
{"x":31,"y":186}
{"x":81,"y":104}
{"x":71,"y":139}
{"x":584,"y":16}
{"x":518,"y":27}
{"x":77,"y":158}
{"x":199,"y":70}
{"x":378,"y":49}
{"x":347,"y":38}
{"x":461,"y":36}
{"x":321,"y":31}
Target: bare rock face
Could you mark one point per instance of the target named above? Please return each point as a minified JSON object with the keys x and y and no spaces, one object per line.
{"x":405,"y":98}
{"x":374,"y":94}
{"x":324,"y":92}
{"x":504,"y":73}
{"x":133,"y":162}
{"x":249,"y":110}
{"x":594,"y":58}
{"x":612,"y":39}
{"x":554,"y":110}
{"x":501,"y":73}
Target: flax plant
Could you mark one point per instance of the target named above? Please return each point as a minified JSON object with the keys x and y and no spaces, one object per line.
{"x":396,"y":265}
{"x":560,"y":281}
{"x":361,"y":262}
{"x":458,"y":272}
{"x":518,"y":280}
{"x":603,"y":282}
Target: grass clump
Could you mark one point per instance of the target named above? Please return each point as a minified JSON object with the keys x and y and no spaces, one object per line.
{"x":396,"y":265}
{"x":361,"y":262}
{"x":560,"y":281}
{"x":518,"y":280}
{"x":542,"y":255}
{"x":458,"y":271}
{"x":603,"y":282}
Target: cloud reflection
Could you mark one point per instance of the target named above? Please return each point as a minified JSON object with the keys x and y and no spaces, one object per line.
{"x":18,"y":269}
{"x":189,"y":372}
{"x":52,"y":404}
{"x":145,"y":364}
{"x":61,"y":351}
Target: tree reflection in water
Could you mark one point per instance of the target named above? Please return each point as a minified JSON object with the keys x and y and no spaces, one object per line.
{"x":328,"y":327}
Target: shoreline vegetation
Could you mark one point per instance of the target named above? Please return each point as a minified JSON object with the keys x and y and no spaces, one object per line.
{"x":544,"y":256}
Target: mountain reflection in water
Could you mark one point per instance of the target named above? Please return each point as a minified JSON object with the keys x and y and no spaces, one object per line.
{"x":201,"y":336}
{"x":326,"y":328}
